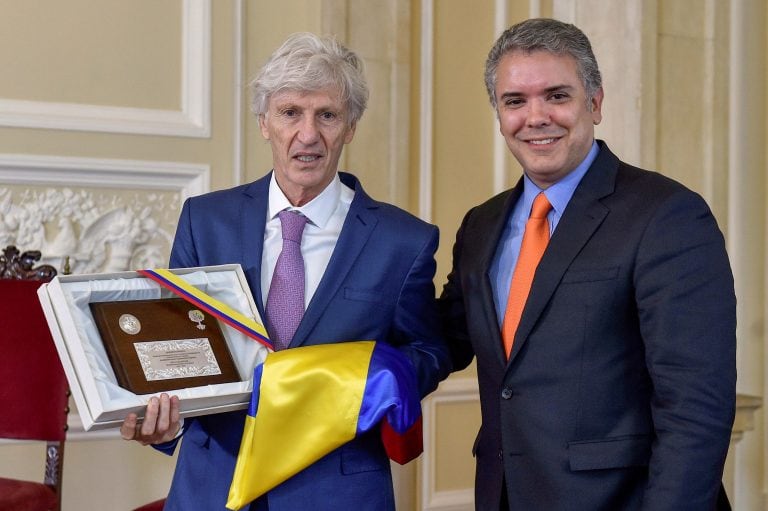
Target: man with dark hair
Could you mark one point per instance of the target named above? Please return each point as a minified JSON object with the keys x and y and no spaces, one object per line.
{"x":599,"y":302}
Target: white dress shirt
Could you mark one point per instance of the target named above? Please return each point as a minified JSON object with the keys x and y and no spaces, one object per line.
{"x":325,"y":213}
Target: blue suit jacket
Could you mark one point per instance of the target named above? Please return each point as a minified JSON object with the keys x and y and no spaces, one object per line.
{"x":620,"y":389}
{"x":378,"y":286}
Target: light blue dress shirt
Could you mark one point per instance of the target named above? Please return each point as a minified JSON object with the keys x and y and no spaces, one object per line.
{"x":559,"y":194}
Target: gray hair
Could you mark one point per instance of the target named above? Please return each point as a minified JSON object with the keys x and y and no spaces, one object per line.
{"x":306,"y":62}
{"x":543,"y":34}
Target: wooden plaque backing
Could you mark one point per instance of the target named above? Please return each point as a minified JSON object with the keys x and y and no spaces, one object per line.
{"x":164,"y":319}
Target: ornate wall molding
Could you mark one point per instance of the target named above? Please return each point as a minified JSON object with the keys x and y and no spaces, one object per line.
{"x":453,"y":390}
{"x":187,"y":178}
{"x":193,"y":120}
{"x":105,"y":215}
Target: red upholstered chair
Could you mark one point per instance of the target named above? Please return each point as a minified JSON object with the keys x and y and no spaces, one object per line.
{"x":33,"y":388}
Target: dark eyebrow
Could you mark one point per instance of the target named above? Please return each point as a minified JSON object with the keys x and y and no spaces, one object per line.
{"x":508,"y":95}
{"x":555,"y":88}
{"x":563,"y":88}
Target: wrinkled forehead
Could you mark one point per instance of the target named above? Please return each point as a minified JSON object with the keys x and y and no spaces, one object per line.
{"x":324,"y":97}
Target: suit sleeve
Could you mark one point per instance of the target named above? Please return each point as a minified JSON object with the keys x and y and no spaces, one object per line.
{"x":452,"y":309}
{"x":416,"y":328}
{"x":183,"y":254}
{"x":687,"y":317}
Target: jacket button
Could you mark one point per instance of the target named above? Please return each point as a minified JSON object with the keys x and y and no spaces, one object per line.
{"x":506,"y":393}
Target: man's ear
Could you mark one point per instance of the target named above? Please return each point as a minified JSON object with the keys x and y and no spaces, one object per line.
{"x":350,"y":133}
{"x":263,"y":126}
{"x":596,"y":105}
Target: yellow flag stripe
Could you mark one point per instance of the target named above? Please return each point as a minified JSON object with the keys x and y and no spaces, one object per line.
{"x":309,"y":399}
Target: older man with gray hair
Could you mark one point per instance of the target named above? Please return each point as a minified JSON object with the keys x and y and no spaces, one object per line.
{"x":367,"y":274}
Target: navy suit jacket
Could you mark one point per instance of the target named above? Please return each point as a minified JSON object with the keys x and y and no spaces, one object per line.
{"x":620,"y":389}
{"x":378,"y":286}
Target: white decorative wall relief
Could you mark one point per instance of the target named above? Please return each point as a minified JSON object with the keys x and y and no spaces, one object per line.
{"x":98,"y":231}
{"x":104,"y":215}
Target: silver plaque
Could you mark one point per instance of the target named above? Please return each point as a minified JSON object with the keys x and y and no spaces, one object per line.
{"x":182,"y":358}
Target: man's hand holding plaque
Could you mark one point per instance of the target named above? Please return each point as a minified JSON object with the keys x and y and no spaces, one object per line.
{"x":161,"y":423}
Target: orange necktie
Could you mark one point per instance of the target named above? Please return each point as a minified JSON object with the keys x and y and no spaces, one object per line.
{"x":535,"y":239}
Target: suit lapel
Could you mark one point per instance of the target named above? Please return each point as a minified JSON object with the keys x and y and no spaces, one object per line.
{"x":581,"y":218}
{"x":489,"y":231}
{"x":360,"y":222}
{"x":253,"y":218}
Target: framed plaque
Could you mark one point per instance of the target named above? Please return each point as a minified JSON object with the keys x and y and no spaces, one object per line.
{"x":163,"y":344}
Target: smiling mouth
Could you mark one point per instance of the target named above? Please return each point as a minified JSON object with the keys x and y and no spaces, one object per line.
{"x":308,"y":158}
{"x":544,"y":141}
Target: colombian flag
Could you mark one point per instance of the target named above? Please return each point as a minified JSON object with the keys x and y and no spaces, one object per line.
{"x":308,"y":401}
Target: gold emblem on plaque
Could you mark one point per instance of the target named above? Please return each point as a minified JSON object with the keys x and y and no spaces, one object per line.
{"x":198,"y":317}
{"x":129,"y":324}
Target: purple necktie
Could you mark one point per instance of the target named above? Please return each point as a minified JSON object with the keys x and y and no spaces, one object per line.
{"x":285,"y":301}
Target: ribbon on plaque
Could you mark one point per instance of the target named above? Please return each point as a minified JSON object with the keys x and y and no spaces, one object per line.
{"x":204,"y":301}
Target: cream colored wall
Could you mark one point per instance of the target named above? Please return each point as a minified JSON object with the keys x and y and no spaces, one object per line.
{"x":115,"y":99}
{"x":747,"y":164}
{"x":461,"y":154}
{"x":97,"y":130}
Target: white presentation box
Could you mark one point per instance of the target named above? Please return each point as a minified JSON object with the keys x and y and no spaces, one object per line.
{"x":100,"y":401}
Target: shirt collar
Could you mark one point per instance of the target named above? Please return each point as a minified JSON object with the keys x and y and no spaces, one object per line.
{"x":560,"y":193}
{"x":318,"y":211}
